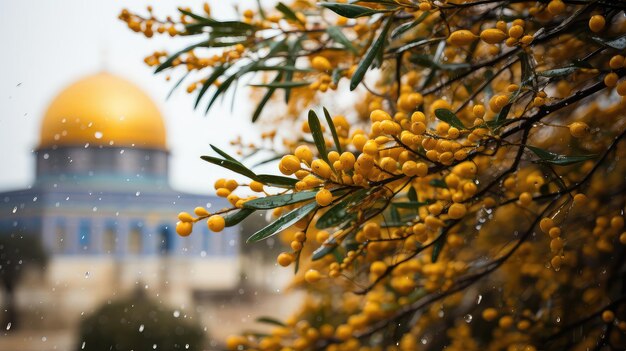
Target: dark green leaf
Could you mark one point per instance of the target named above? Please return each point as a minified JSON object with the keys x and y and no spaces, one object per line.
{"x":287,"y":12}
{"x":339,"y":213}
{"x":170,"y":60}
{"x":283,"y":222}
{"x":270,"y":320}
{"x":281,"y":85}
{"x":449,"y":117}
{"x":502,"y":115}
{"x":217,"y":72}
{"x":372,"y":52}
{"x":441,"y":241}
{"x":438,"y":183}
{"x":412,"y":194}
{"x":177,"y":85}
{"x":329,"y":246}
{"x":278,"y":181}
{"x":269,"y":202}
{"x":223,"y":154}
{"x":331,"y":125}
{"x":617,"y":43}
{"x":409,"y":204}
{"x":351,"y":11}
{"x":264,"y":100}
{"x":337,"y":35}
{"x":563,"y":71}
{"x":318,"y":135}
{"x":235,"y":218}
{"x":556,"y":159}
{"x":232,"y":165}
{"x":406,"y":26}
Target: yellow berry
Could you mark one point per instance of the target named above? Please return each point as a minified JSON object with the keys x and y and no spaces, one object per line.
{"x":457,"y":211}
{"x":303,"y":152}
{"x":256,"y":186}
{"x":610,"y":80}
{"x":312,"y":276}
{"x":185,"y":217}
{"x":545,"y":224}
{"x":461,"y":37}
{"x":372,"y":231}
{"x":621,"y":88}
{"x":516,"y":31}
{"x":201,"y":212}
{"x":505,"y":322}
{"x":322,"y":236}
{"x":556,"y":262}
{"x":321,"y":63}
{"x":525,"y":199}
{"x":289,"y":164}
{"x":184,"y":228}
{"x":492,"y":36}
{"x":222,"y":192}
{"x":324,"y":197}
{"x":616,"y":62}
{"x":490,"y":314}
{"x":608,"y":316}
{"x":378,"y":268}
{"x":597,"y":23}
{"x":285,"y":259}
{"x":216,"y":223}
{"x":578,"y":129}
{"x":556,"y":7}
{"x":235,"y":342}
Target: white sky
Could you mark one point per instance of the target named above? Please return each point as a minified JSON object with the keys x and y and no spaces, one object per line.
{"x":47,"y":45}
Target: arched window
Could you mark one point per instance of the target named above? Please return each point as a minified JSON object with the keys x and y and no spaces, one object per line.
{"x":109,"y":240}
{"x":166,"y":240}
{"x":135,"y":240}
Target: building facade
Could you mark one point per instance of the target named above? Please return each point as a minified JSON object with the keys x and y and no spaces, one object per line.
{"x":104,"y":211}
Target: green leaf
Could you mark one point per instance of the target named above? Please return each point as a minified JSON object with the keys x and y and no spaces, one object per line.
{"x":351,"y":11}
{"x":339,"y":213}
{"x":270,"y":320}
{"x":372,"y":52}
{"x":170,"y":60}
{"x":217,"y":72}
{"x":409,"y":204}
{"x":337,"y":35}
{"x":617,"y":43}
{"x":557,"y":72}
{"x":283,"y":222}
{"x":231,"y":165}
{"x":287,"y":12}
{"x":437,"y":248}
{"x":318,"y":135}
{"x":223,"y":154}
{"x":177,"y":85}
{"x":278,"y":181}
{"x":282,"y":85}
{"x":449,"y":117}
{"x":235,"y":218}
{"x":438,"y":183}
{"x":556,"y":159}
{"x":331,"y":125}
{"x":269,"y":202}
{"x":264,"y":100}
{"x":412,"y":194}
{"x":327,"y":247}
{"x":501,"y":116}
{"x":406,"y":26}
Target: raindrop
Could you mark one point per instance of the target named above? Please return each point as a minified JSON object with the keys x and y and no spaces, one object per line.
{"x":86,"y":274}
{"x":138,"y":193}
{"x":46,"y":156}
{"x":468,"y":318}
{"x":479,"y":299}
{"x":14,"y":209}
{"x":424,"y":341}
{"x":9,"y":326}
{"x":176,"y":313}
{"x":82,"y":347}
{"x":186,"y":346}
{"x":558,"y":319}
{"x":43,"y":338}
{"x":98,"y":135}
{"x":122,"y":151}
{"x":141,"y":328}
{"x":154,"y":346}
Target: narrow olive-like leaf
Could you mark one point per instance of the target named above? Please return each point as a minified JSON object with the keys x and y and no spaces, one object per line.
{"x":283,"y":222}
{"x":438,"y":183}
{"x":409,"y":204}
{"x":270,"y":320}
{"x":449,"y":117}
{"x":235,"y":218}
{"x":437,"y":249}
{"x":282,"y":85}
{"x":372,"y":52}
{"x":406,"y":26}
{"x":412,"y":194}
{"x":557,"y":72}
{"x":287,"y":12}
{"x":556,"y":159}
{"x":223,"y":154}
{"x":326,"y":248}
{"x":333,"y":130}
{"x":220,"y":89}
{"x":275,"y":180}
{"x":265,"y":99}
{"x":318,"y":135}
{"x":269,"y":202}
{"x":502,"y":115}
{"x":339,"y":213}
{"x":177,"y":85}
{"x":351,"y":11}
{"x":337,"y":35}
{"x":217,"y":72}
{"x":231,"y":165}
{"x":617,"y":43}
{"x":223,"y":25}
{"x":168,"y":63}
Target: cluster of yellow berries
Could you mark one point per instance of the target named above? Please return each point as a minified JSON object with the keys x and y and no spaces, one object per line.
{"x":184,"y":226}
{"x":511,"y":36}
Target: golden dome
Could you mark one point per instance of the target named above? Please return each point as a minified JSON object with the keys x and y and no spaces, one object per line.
{"x":106,"y":110}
